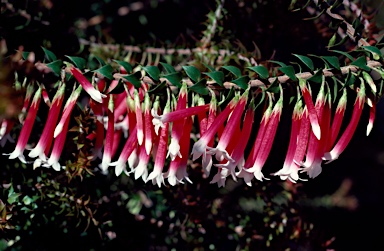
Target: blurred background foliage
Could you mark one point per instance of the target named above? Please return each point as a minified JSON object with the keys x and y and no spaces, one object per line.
{"x":45,"y":210}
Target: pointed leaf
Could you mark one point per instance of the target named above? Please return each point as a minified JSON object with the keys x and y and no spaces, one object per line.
{"x":350,"y":80}
{"x":153,"y":72}
{"x":200,"y":87}
{"x":306,"y":60}
{"x":229,"y":97}
{"x":127,"y":66}
{"x":332,"y":60}
{"x":210,"y":68}
{"x":134,"y":79}
{"x":335,"y":89}
{"x":242,"y":82}
{"x":277,"y":62}
{"x":361,"y":62}
{"x":376,"y":53}
{"x":49,"y":55}
{"x":80,"y":63}
{"x":289,"y":71}
{"x":274,"y":87}
{"x":192,"y":72}
{"x":106,"y":71}
{"x":174,"y":78}
{"x":232,"y":69}
{"x":25,"y":54}
{"x":344,"y":54}
{"x":217,"y":76}
{"x":168,"y":68}
{"x":317,"y":77}
{"x":158,"y":88}
{"x":56,"y":66}
{"x":100,"y":60}
{"x":315,"y":17}
{"x":261,"y":70}
{"x":332,"y":41}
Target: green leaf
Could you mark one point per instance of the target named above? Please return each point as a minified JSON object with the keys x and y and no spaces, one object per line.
{"x":332,"y":60}
{"x":376,"y":53}
{"x":200,"y":87}
{"x":192,"y":72}
{"x":168,"y":68}
{"x":217,"y":76}
{"x":342,"y":41}
{"x":80,"y":63}
{"x":25,"y":54}
{"x":332,"y":41}
{"x":261,"y":70}
{"x":106,"y":71}
{"x":306,"y":60}
{"x":242,"y":82}
{"x":274,"y":87}
{"x":117,"y":88}
{"x":174,"y":78}
{"x":315,"y":17}
{"x":361,"y":62}
{"x":158,"y":88}
{"x":335,"y":89}
{"x":317,"y":77}
{"x":210,"y":68}
{"x":49,"y":55}
{"x":56,"y":67}
{"x":229,"y":97}
{"x":100,"y":60}
{"x":134,"y":79}
{"x":153,"y":72}
{"x":127,"y":66}
{"x":344,"y":54}
{"x":232,"y":69}
{"x":12,"y":198}
{"x":289,"y":71}
{"x":350,"y":80}
{"x":277,"y":62}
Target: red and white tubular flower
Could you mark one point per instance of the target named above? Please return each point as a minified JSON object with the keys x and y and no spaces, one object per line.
{"x":178,"y":125}
{"x":27,"y":101}
{"x":177,"y":171}
{"x":200,"y":146}
{"x":121,"y":107}
{"x":128,"y":148}
{"x":68,"y":108}
{"x":148,"y":128}
{"x":133,"y":158}
{"x":88,"y":87}
{"x":337,"y":120}
{"x":207,"y":159}
{"x":27,"y":128}
{"x":368,"y":79}
{"x":5,"y":128}
{"x":58,"y":148}
{"x":107,"y":154}
{"x":159,"y":120}
{"x":139,"y":118}
{"x":350,"y":130}
{"x":293,"y":140}
{"x":229,"y":130}
{"x":268,"y":139}
{"x":311,"y":108}
{"x":237,"y":153}
{"x":315,"y":151}
{"x":45,"y":96}
{"x":372,"y":114}
{"x":47,"y":135}
{"x":259,"y":138}
{"x":156,"y":175}
{"x":141,"y":169}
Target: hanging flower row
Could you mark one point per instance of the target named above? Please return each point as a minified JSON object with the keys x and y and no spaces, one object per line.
{"x":148,"y":127}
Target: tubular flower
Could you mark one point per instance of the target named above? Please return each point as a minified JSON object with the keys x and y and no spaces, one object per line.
{"x":260,"y":134}
{"x":349,"y":131}
{"x":148,"y":128}
{"x":293,"y":140}
{"x":5,"y":128}
{"x":156,"y":175}
{"x":372,"y":113}
{"x":337,"y":120}
{"x":107,"y":154}
{"x":311,"y":108}
{"x":27,"y":128}
{"x":141,"y":169}
{"x":199,"y":148}
{"x":95,"y":94}
{"x":139,"y":118}
{"x":268,"y":139}
{"x":229,"y":130}
{"x":128,"y":148}
{"x":27,"y":101}
{"x":178,"y":167}
{"x":177,"y":125}
{"x":47,"y":135}
{"x":133,"y":158}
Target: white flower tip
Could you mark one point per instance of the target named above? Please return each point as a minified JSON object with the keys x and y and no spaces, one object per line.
{"x":369,"y":128}
{"x":330,"y":157}
{"x":317,"y":131}
{"x":56,"y":166}
{"x":35,"y":152}
{"x":172,"y":180}
{"x":96,"y":95}
{"x":140,"y":137}
{"x":119,"y":169}
{"x":58,"y":130}
{"x":148,"y":146}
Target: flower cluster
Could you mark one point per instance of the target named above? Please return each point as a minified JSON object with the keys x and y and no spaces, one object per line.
{"x":147,"y":128}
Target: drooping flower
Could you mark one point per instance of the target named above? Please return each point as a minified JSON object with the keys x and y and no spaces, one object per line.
{"x":337,"y":120}
{"x":177,"y":125}
{"x":268,"y":139}
{"x":107,"y":154}
{"x":349,"y":131}
{"x":372,"y":114}
{"x":95,"y":94}
{"x":27,"y":101}
{"x":228,"y":133}
{"x":48,"y":131}
{"x":311,"y":108}
{"x":148,"y":128}
{"x":139,"y":118}
{"x":141,"y":170}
